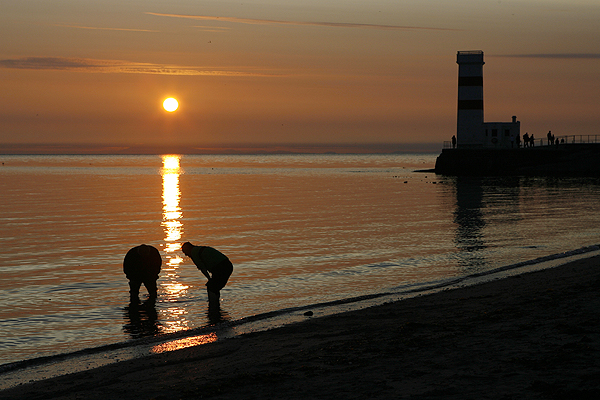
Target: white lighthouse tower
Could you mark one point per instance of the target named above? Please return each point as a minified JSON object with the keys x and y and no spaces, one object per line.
{"x":469,"y":130}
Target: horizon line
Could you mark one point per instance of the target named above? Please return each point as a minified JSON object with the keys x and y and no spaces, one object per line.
{"x":247,"y":149}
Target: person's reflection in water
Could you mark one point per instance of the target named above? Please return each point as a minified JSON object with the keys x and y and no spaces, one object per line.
{"x":216,"y":314}
{"x":141,"y":321}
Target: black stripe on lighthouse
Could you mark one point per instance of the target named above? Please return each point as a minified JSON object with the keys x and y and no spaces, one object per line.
{"x":470,"y":81}
{"x":470,"y":104}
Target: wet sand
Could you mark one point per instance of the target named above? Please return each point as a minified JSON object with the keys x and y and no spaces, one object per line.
{"x":531,"y":336}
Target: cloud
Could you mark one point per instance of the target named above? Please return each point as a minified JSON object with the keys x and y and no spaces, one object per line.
{"x":304,"y":23}
{"x":217,"y":29}
{"x":119,"y":67}
{"x":561,"y":56}
{"x":104,"y":29}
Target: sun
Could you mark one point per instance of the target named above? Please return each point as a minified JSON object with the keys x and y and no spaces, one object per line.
{"x":170,"y":104}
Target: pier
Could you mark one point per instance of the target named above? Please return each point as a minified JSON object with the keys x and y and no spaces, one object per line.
{"x":482,"y":148}
{"x":564,"y":159}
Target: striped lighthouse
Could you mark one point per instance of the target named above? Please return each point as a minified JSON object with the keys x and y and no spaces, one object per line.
{"x":470,"y":127}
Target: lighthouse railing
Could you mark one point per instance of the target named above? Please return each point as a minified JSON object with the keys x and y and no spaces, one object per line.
{"x":558,"y":141}
{"x":571,"y":139}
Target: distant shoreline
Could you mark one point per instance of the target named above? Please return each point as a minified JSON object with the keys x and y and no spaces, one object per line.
{"x":242,"y":149}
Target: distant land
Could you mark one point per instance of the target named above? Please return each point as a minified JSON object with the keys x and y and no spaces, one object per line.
{"x":372,"y":148}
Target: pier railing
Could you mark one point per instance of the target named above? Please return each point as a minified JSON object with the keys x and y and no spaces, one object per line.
{"x":571,"y":139}
{"x":562,"y":140}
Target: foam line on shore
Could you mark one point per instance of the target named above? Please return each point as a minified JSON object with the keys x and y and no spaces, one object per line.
{"x":46,"y":367}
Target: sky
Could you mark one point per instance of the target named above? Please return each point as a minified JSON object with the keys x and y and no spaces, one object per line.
{"x":249,"y":75}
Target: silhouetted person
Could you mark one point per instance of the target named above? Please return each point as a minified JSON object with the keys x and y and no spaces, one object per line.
{"x":453,"y":141}
{"x":531,"y":140}
{"x":214,"y":265}
{"x":142,"y":265}
{"x":550,"y":138}
{"x":526,"y":139}
{"x":518,"y":140}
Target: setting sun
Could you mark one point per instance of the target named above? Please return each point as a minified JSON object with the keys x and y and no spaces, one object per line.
{"x":170,"y":104}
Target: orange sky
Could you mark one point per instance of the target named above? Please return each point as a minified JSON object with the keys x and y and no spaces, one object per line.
{"x":286,"y":73}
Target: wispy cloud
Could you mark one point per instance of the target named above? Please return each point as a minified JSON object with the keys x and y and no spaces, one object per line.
{"x":212,"y":28}
{"x":561,"y":56}
{"x":103,"y":28}
{"x":304,"y":23}
{"x":121,"y":67}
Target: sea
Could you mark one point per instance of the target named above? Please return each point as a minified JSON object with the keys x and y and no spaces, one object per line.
{"x":300,"y":229}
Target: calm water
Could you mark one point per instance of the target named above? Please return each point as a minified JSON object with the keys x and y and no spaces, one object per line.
{"x":300,"y":229}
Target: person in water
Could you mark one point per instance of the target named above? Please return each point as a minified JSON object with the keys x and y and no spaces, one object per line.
{"x":213,"y":264}
{"x":142,"y":265}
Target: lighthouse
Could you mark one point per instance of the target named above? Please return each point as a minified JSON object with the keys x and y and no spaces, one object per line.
{"x":495,"y":148}
{"x":471,"y":130}
{"x":469,"y":120}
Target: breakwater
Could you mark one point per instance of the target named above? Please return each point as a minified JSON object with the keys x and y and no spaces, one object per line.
{"x":580,"y":159}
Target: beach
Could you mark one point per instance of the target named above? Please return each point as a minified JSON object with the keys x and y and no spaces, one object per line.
{"x":534,"y":335}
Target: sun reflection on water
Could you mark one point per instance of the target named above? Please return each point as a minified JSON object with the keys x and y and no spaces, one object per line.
{"x":185,"y":342}
{"x":173,"y":289}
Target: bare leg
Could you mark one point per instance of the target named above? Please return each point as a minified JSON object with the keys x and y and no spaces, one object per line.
{"x":213,"y":299}
{"x":152,"y":291}
{"x":134,"y":291}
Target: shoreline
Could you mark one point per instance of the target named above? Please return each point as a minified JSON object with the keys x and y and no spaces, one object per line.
{"x":46,"y":367}
{"x":531,"y":335}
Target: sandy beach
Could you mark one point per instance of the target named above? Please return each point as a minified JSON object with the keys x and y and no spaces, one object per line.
{"x":532,"y":336}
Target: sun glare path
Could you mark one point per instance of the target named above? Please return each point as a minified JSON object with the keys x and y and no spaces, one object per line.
{"x":171,"y":210}
{"x":173,"y":228}
{"x":171,"y":104}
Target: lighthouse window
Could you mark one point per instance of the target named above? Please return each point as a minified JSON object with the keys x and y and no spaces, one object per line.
{"x":494,"y":132}
{"x":507,"y":132}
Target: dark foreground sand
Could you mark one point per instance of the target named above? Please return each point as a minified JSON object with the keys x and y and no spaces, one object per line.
{"x":534,"y":336}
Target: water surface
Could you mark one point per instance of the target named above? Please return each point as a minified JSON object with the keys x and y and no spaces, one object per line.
{"x":300,"y":229}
